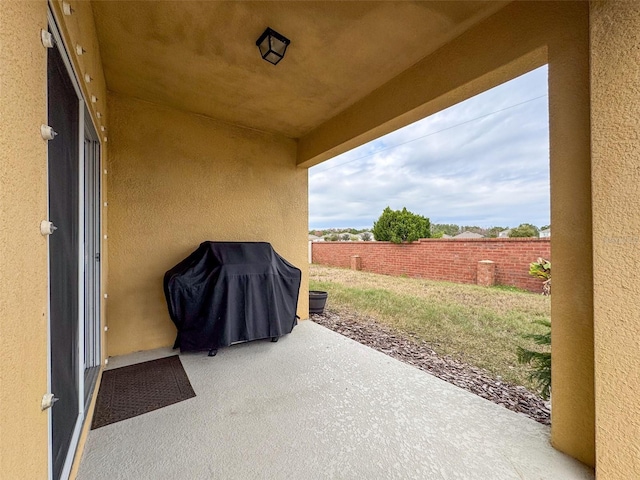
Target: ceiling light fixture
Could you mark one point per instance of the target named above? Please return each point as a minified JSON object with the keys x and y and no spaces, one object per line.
{"x":272,"y":45}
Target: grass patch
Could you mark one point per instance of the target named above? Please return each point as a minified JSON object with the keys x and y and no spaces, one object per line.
{"x":479,"y":326}
{"x":510,"y":288}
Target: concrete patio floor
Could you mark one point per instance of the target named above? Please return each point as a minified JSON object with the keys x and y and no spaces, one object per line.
{"x":317,"y":405}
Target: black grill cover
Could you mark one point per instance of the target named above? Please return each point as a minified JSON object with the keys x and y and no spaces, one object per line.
{"x":227,"y":292}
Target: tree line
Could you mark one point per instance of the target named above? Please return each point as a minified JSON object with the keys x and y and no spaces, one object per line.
{"x":522,"y":230}
{"x":400,"y":226}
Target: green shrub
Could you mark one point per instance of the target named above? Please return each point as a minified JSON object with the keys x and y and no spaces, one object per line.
{"x":399,"y":226}
{"x":541,"y":268}
{"x":540,"y":359}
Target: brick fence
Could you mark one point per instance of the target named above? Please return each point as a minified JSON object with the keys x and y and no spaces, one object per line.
{"x":443,"y":259}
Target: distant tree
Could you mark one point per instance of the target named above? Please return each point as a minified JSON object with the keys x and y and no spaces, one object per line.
{"x":545,"y":227}
{"x":438,"y":234}
{"x":524,"y":230}
{"x":345,"y":237}
{"x":366,"y":237}
{"x":494,"y":231}
{"x":400,"y":226}
{"x":444,"y":229}
{"x":333,"y":237}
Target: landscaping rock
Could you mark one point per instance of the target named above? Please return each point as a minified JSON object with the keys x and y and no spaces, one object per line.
{"x":419,"y":354}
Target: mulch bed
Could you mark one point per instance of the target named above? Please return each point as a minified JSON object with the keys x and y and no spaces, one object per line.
{"x":419,"y":354}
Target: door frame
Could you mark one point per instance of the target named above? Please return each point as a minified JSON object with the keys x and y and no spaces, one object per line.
{"x":83,"y":122}
{"x":93,"y":207}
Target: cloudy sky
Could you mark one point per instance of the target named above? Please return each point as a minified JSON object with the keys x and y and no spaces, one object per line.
{"x":482,"y":162}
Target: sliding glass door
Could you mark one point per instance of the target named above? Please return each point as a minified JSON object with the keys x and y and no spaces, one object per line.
{"x":74,"y":257}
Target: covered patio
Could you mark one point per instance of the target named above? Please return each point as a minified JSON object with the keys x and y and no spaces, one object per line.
{"x":317,"y":405}
{"x":140,"y":129}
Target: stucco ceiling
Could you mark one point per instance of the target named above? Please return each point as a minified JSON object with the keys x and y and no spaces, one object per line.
{"x":201,"y":56}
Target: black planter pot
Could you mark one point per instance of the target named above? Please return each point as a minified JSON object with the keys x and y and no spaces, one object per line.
{"x":317,"y":300}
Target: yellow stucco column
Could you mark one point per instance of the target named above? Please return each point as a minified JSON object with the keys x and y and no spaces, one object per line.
{"x":615,"y":117}
{"x":572,"y":420}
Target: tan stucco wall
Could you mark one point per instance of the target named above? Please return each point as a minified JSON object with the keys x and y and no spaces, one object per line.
{"x":23,"y":251}
{"x":615,"y":117}
{"x":178,"y":179}
{"x":517,"y":38}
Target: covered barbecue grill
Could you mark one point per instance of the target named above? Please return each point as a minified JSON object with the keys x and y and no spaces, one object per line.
{"x":228,"y":292}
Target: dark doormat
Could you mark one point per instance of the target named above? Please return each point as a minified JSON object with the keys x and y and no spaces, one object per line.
{"x":130,"y":391}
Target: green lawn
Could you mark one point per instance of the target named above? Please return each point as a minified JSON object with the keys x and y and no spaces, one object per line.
{"x":477,"y":325}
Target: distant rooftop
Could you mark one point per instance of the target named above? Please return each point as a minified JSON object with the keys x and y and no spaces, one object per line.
{"x":467,"y":234}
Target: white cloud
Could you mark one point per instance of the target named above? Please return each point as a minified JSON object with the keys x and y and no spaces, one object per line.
{"x":482,"y":162}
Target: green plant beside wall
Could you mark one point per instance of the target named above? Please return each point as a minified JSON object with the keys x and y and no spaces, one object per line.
{"x":540,"y":359}
{"x":541,"y":268}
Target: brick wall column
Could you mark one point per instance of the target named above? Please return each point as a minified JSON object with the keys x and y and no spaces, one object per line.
{"x":486,"y":273}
